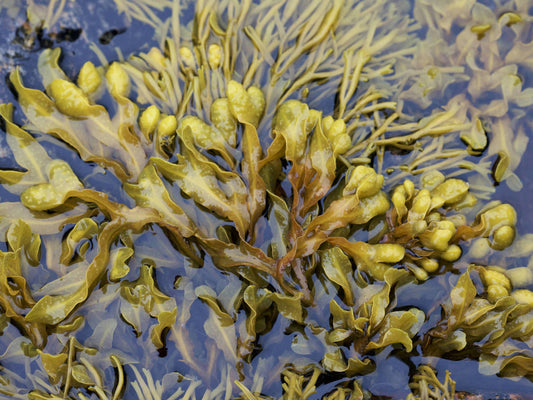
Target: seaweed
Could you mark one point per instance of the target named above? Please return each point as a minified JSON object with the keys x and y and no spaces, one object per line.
{"x":255,"y":238}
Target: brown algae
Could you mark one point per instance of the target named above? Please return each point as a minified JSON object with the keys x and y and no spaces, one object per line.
{"x":282,"y":178}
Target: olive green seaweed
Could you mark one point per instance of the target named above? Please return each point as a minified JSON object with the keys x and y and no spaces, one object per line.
{"x":261,"y":243}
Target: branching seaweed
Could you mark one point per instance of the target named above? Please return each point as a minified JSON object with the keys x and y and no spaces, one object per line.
{"x":245,"y":215}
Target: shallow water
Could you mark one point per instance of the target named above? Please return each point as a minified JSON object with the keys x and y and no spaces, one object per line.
{"x":394,"y":365}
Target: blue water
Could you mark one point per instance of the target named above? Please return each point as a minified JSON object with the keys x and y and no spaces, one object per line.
{"x":389,"y":379}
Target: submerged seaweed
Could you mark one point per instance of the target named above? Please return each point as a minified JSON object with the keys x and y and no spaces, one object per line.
{"x":254,"y":199}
